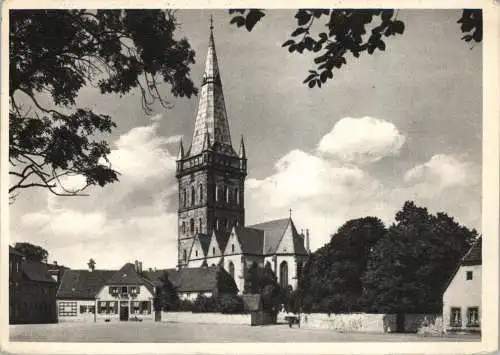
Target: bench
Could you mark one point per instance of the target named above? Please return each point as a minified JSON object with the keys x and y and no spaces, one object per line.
{"x":293,"y":320}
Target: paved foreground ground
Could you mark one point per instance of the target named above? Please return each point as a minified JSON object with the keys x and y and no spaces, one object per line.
{"x":150,"y":332}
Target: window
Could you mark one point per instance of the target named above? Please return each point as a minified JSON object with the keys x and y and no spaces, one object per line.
{"x":473,"y":317}
{"x":469,"y":275}
{"x":66,"y":309}
{"x":196,"y":252}
{"x":200,"y":223}
{"x":201,"y":193}
{"x":284,"y":275}
{"x":185,"y":255}
{"x":455,"y":317}
{"x":91,"y":309}
{"x":83,"y":309}
{"x":226,"y":194}
{"x":216,"y":224}
{"x":232,"y":247}
{"x":191,"y":225}
{"x":140,"y":307}
{"x":217,"y":193}
{"x":193,"y":196}
{"x":231,"y":269}
{"x":213,"y":250}
{"x":185,"y":198}
{"x":107,"y":307}
{"x":124,"y":290}
{"x":237,"y":196}
{"x":183,"y":227}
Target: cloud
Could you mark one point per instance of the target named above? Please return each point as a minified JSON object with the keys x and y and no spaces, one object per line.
{"x":132,"y":219}
{"x":361,"y":140}
{"x":324,"y":193}
{"x":443,"y":170}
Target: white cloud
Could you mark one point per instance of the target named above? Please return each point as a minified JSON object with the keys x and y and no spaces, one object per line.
{"x":443,"y":170}
{"x":323,"y":194}
{"x":361,"y":140}
{"x":127,"y":220}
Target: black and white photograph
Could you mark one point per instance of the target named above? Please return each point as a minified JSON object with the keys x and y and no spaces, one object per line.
{"x":249,"y":175}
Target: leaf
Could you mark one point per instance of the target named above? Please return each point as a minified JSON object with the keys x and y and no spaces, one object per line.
{"x":253,"y":17}
{"x":238,"y":20}
{"x":398,"y":27}
{"x":312,"y":83}
{"x":287,"y":43}
{"x":387,"y":15}
{"x":298,"y":31}
{"x":309,"y":78}
{"x":303,"y":17}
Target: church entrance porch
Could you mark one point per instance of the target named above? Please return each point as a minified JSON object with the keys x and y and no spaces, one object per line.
{"x":124,"y":310}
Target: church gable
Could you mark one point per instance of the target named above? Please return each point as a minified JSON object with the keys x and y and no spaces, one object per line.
{"x":286,"y":244}
{"x":233,"y":245}
{"x":198,"y":251}
{"x":213,"y":248}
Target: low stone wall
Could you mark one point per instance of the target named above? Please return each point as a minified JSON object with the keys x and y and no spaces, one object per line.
{"x":424,"y":323}
{"x":346,"y":323}
{"x":205,"y":318}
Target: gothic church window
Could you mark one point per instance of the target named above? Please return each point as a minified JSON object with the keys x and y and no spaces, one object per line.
{"x":200,"y":222}
{"x":191,"y":225}
{"x":284,"y":275}
{"x":217,"y":193}
{"x":237,"y":196}
{"x":201,"y":193}
{"x":183,"y":227}
{"x":185,"y":198}
{"x":231,"y":269}
{"x":193,"y":196}
{"x":226,"y":193}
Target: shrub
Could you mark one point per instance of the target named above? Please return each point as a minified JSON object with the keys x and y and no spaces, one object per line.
{"x":185,"y":306}
{"x":231,"y":304}
{"x":204,"y":304}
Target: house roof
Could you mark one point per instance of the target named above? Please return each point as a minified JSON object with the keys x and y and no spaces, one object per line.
{"x":83,"y":284}
{"x":474,"y":255}
{"x":200,"y":279}
{"x":14,"y":251}
{"x":36,"y":271}
{"x":251,"y":240}
{"x":127,"y":275}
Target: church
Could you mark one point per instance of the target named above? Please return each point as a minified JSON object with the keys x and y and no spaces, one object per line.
{"x":211,"y":214}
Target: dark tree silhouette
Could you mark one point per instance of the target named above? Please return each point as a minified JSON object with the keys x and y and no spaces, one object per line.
{"x":32,"y":252}
{"x":53,"y":54}
{"x":347,"y":32}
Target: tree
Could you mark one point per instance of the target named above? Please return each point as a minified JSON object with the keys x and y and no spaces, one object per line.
{"x":225,"y":283}
{"x":331,"y":280}
{"x":53,"y":54}
{"x":168,"y":297}
{"x":410,"y":266}
{"x":32,"y":252}
{"x":346,"y":34}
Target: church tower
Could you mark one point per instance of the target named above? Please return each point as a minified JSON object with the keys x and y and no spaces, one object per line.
{"x":211,"y":175}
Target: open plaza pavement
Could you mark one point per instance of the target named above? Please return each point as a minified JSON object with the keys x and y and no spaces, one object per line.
{"x":170,"y":332}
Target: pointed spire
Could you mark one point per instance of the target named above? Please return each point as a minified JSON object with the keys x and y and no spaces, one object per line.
{"x":180,"y":155}
{"x":206,"y":142}
{"x":211,"y":117}
{"x":243,"y":153}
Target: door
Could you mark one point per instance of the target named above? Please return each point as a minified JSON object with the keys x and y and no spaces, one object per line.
{"x":400,"y":323}
{"x":124,"y":311}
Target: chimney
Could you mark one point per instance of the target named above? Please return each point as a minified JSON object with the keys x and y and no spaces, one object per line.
{"x":55,"y":263}
{"x":136,"y":264}
{"x":307,"y":241}
{"x":150,"y":269}
{"x":140,"y":266}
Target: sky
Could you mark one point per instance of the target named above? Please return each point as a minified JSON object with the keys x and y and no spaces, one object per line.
{"x":403,"y":124}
